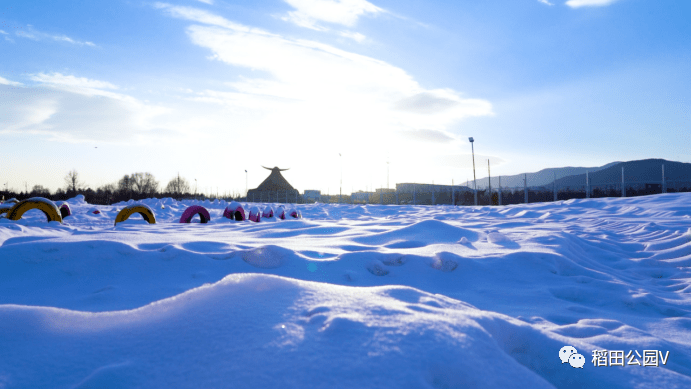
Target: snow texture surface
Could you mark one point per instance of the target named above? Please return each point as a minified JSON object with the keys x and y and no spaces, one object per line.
{"x":351,"y":296}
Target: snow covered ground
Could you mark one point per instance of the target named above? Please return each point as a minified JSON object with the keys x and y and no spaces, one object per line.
{"x":350,"y":296}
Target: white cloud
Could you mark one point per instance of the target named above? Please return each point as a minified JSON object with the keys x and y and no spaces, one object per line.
{"x":71,"y":81}
{"x":302,"y":20}
{"x":546,"y":2}
{"x":64,"y":38}
{"x":205,"y":17}
{"x":428,"y":102}
{"x":201,"y":16}
{"x":303,"y":88}
{"x":31,"y":33}
{"x":589,"y":3}
{"x":6,"y":36}
{"x":308,"y":71}
{"x":4,"y":81}
{"x":344,"y":12}
{"x":210,"y":2}
{"x":358,"y":37}
{"x":74,"y":109}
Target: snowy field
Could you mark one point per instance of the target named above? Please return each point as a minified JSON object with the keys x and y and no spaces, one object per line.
{"x":350,"y":296}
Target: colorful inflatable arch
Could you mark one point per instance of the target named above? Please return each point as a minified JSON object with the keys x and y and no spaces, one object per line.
{"x":234,"y":211}
{"x":280,"y":213}
{"x":191,"y":211}
{"x":255,"y":215}
{"x":65,"y":210}
{"x":268,"y":212}
{"x":141,"y":209}
{"x":42,"y":204}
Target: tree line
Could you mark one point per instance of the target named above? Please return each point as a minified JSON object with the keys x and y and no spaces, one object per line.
{"x":135,"y":186}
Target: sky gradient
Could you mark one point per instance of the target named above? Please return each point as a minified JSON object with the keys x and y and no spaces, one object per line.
{"x":209,"y":89}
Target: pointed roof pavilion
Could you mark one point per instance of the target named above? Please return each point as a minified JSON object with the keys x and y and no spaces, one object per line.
{"x":275,"y":181}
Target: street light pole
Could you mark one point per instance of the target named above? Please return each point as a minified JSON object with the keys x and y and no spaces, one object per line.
{"x":341,"y":176}
{"x":387,"y":174}
{"x":490,"y":190}
{"x":475,"y":193}
{"x":195,"y":189}
{"x":245,"y":184}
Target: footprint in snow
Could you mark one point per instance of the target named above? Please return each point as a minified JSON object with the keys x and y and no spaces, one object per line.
{"x":377,"y":268}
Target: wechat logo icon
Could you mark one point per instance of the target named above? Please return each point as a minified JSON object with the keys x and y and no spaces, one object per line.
{"x":569,"y":354}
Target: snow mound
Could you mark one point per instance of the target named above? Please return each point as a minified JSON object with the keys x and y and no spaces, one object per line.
{"x":77,"y":200}
{"x":444,"y":262}
{"x":411,"y":340}
{"x":423,"y":232}
{"x":267,"y":257}
{"x":496,"y":237}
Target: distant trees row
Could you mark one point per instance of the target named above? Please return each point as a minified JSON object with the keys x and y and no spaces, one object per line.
{"x":134,"y":186}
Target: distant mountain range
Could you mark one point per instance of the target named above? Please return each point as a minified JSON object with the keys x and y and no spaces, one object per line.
{"x":642,"y":171}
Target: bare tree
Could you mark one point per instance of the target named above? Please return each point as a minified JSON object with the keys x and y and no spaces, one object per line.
{"x":108,"y":188}
{"x":178,"y":186}
{"x":106,"y":192}
{"x":39,"y":190}
{"x":126,"y":185}
{"x":145,"y":183}
{"x":72,"y":181}
{"x":138,"y":183}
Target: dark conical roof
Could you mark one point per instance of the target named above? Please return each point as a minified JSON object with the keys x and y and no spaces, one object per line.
{"x":275,"y":181}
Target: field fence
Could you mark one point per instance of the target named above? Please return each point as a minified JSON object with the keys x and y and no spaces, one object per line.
{"x":427,"y":194}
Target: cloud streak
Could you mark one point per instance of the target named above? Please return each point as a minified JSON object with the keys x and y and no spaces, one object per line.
{"x":588,"y":3}
{"x":201,"y":16}
{"x":31,"y":33}
{"x":342,"y":12}
{"x":312,"y":13}
{"x":71,"y":81}
{"x":356,"y":36}
{"x":4,"y":81}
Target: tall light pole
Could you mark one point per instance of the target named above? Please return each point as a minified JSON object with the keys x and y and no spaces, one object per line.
{"x":195,"y":189}
{"x":245,"y":184}
{"x":341,"y":177}
{"x":473,"y":158}
{"x":387,"y":174}
{"x":490,"y":191}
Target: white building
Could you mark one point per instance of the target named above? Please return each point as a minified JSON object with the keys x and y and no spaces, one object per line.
{"x":311,"y":196}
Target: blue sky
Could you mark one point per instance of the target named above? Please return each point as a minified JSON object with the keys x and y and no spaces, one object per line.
{"x":211,"y":88}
